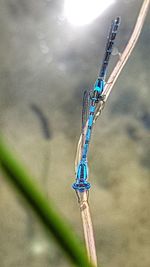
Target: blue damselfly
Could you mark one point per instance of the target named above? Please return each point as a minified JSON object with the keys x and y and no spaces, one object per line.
{"x":90,"y":101}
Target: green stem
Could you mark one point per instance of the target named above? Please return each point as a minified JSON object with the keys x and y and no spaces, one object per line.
{"x":45,"y":211}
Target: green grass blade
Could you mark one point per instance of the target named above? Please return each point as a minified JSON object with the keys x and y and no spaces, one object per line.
{"x":45,"y":211}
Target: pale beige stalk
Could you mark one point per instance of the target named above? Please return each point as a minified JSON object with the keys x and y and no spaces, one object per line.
{"x":83,"y":197}
{"x":87,"y":227}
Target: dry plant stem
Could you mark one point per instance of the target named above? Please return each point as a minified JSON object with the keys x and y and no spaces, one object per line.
{"x":78,"y":152}
{"x":126,"y":53}
{"x":87,"y":227}
{"x":83,"y":197}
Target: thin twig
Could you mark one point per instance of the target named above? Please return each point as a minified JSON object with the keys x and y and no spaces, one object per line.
{"x":87,"y":226}
{"x":83,"y":197}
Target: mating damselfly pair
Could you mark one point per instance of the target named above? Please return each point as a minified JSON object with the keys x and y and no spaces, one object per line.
{"x":90,"y":101}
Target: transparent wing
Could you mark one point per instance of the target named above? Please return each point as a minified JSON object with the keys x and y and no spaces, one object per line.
{"x":85,"y":113}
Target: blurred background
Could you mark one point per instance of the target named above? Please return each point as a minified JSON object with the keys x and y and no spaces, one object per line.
{"x":49,"y":54}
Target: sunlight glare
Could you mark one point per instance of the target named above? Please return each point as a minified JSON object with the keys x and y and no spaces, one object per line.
{"x":81,"y":12}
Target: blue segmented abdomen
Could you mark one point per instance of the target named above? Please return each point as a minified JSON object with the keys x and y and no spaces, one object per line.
{"x":88,"y":133}
{"x":90,"y":121}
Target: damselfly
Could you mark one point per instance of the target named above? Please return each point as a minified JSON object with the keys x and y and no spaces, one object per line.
{"x":90,"y":101}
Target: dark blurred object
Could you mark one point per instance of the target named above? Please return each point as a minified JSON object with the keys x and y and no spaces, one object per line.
{"x":47,"y":134}
{"x":132,"y":132}
{"x":145,"y":118}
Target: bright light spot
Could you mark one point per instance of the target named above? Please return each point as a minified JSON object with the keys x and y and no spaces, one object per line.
{"x":38,"y":247}
{"x":81,"y":12}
